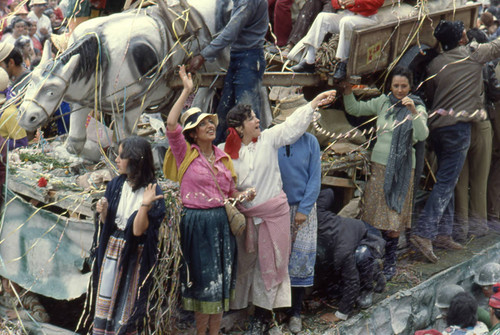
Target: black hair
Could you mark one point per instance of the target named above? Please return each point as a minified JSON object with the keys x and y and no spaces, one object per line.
{"x":237,"y":115}
{"x":462,"y":311}
{"x":15,"y":55}
{"x":189,"y":135}
{"x":15,"y":21}
{"x":400,"y":71}
{"x":478,"y":35}
{"x":493,"y":10}
{"x":22,"y":41}
{"x":496,"y":311}
{"x":48,"y":12}
{"x":140,"y":167}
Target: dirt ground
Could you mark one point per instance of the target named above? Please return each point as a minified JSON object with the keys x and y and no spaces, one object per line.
{"x":412,"y":269}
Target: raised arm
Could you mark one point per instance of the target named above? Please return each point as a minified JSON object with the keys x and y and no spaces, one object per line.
{"x":141,"y":221}
{"x":355,"y":107}
{"x":176,"y":110}
{"x":296,"y":124}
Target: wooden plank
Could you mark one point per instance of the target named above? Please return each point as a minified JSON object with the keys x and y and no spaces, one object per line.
{"x":348,"y":195}
{"x":77,"y":203}
{"x":366,"y":56}
{"x":337,"y":181}
{"x":270,"y":79}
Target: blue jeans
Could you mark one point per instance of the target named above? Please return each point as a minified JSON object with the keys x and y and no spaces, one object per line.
{"x":451,"y":145}
{"x":241,"y":86}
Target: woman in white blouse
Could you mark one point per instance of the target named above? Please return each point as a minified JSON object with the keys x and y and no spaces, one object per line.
{"x":263,"y":252}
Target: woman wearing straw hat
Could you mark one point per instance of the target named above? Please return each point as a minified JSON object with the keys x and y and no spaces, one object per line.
{"x":204,"y":172}
{"x":263,"y":277}
{"x":401,"y":122}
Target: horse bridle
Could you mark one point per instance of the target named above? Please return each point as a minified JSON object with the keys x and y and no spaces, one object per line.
{"x":66,"y":82}
{"x":39,"y":105}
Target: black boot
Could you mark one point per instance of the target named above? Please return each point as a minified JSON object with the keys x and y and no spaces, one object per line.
{"x":378,"y":277}
{"x":391,"y":246}
{"x":365,"y":299}
{"x":340,"y":71}
{"x":303,"y":66}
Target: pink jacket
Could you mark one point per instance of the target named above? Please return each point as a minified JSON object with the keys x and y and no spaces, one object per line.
{"x":274,"y":238}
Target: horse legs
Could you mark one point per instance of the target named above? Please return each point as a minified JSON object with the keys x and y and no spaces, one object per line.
{"x":77,"y":135}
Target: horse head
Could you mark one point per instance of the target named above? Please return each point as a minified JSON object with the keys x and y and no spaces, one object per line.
{"x":45,"y":92}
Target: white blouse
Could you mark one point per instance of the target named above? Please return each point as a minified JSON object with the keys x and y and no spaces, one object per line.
{"x":257,"y":165}
{"x":129,"y":203}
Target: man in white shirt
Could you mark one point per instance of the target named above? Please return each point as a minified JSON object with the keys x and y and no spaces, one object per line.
{"x":44,"y":26}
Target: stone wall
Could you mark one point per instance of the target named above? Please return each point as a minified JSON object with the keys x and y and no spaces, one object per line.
{"x":413,"y":309}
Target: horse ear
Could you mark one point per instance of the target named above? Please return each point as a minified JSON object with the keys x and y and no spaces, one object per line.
{"x":47,"y":52}
{"x":70,"y":67}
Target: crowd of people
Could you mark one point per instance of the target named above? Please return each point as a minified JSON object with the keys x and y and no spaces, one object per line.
{"x":447,"y":114}
{"x":293,"y":239}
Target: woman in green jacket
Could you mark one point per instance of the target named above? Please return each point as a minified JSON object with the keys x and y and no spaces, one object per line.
{"x":401,"y":122}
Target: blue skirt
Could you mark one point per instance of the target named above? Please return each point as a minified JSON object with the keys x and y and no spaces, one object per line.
{"x":208,"y":275}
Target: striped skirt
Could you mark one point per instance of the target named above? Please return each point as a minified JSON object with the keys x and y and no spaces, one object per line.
{"x":117,"y":291}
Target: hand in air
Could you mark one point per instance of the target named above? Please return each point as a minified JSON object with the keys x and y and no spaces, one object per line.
{"x":150,"y":195}
{"x":187,"y":80}
{"x":195,"y":63}
{"x":324,"y":99}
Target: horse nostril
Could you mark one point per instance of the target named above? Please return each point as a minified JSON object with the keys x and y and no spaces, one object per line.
{"x":32,"y":119}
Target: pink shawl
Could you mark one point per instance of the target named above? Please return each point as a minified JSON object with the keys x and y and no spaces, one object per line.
{"x":274,"y":238}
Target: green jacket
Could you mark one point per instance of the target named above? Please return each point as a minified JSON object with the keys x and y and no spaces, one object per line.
{"x":379,"y":107}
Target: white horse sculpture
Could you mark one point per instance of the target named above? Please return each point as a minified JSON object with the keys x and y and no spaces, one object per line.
{"x":119,"y":65}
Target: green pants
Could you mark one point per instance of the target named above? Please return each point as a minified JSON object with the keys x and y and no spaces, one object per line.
{"x":470,"y":191}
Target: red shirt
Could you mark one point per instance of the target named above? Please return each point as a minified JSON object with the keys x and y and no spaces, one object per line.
{"x":362,"y":7}
{"x":58,"y":13}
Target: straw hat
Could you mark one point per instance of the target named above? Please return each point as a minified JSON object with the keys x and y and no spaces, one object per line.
{"x":193,"y":116}
{"x":60,"y":41}
{"x":287,"y":106}
{"x":4,"y":83}
{"x":5,"y":49}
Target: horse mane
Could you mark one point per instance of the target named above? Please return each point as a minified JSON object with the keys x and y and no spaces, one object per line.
{"x":89,"y":48}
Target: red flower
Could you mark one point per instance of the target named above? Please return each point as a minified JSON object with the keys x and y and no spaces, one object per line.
{"x":42,"y":182}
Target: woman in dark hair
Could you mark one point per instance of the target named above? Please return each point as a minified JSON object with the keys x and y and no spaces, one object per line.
{"x":206,"y":178}
{"x":23,"y":43}
{"x":401,"y":122}
{"x":462,"y":316}
{"x":263,"y":254}
{"x":130,"y":214}
{"x":15,"y":30}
